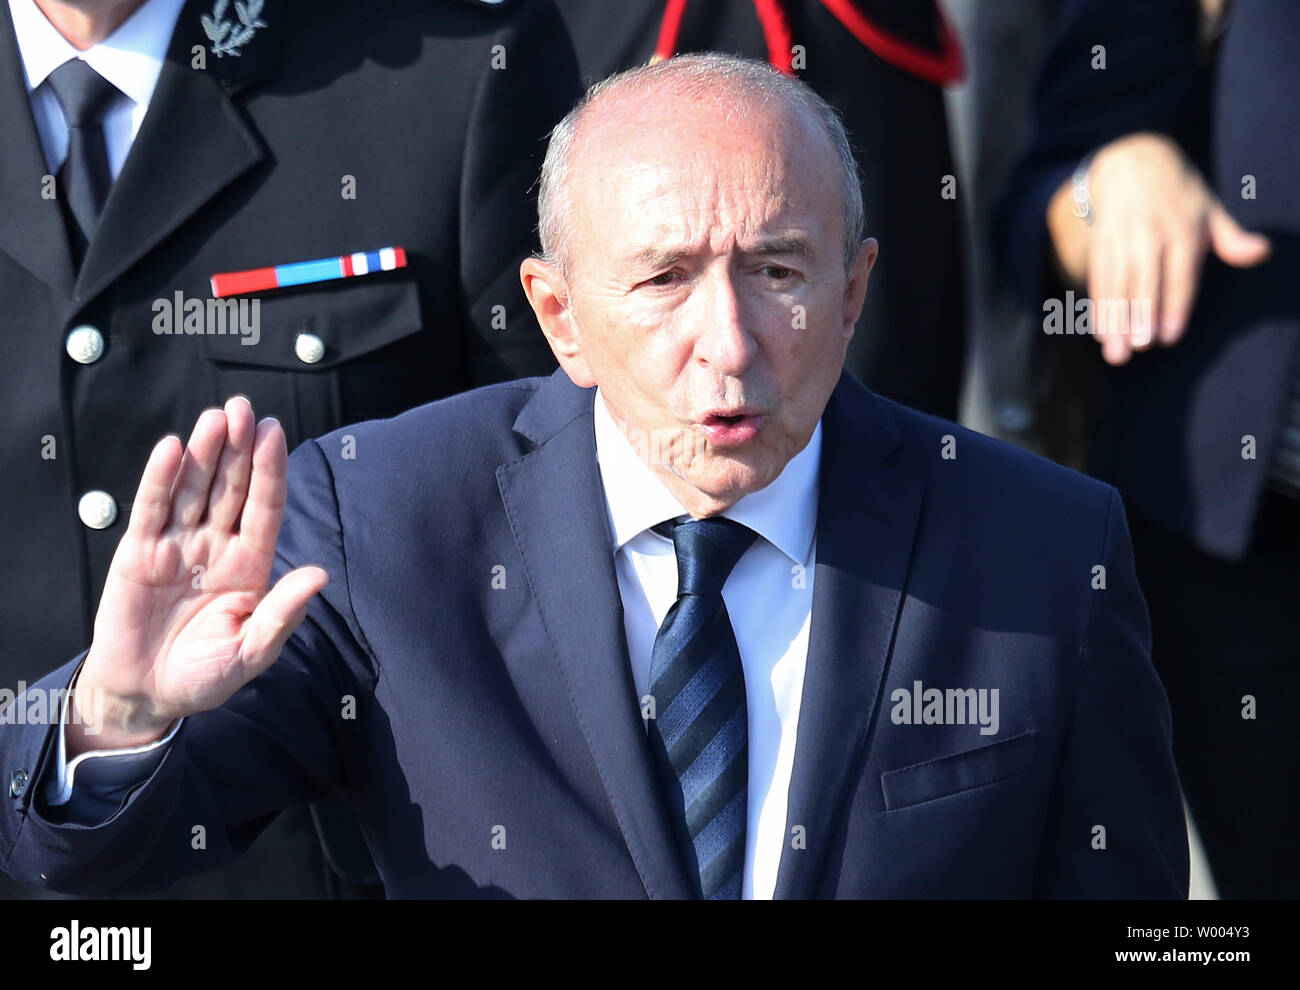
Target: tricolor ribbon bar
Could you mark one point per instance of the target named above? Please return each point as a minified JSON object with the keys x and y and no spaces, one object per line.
{"x":303,"y":272}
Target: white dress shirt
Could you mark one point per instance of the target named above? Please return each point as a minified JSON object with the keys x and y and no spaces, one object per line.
{"x":768,"y":596}
{"x":104,"y":768}
{"x":769,"y":600}
{"x":131,"y":58}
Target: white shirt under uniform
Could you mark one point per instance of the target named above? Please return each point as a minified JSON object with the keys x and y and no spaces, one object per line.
{"x":131,"y":58}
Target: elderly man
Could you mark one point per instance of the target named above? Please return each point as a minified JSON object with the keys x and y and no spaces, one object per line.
{"x":698,"y":615}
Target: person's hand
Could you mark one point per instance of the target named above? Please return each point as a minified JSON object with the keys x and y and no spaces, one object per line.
{"x":1154,"y":220}
{"x":186,"y":619}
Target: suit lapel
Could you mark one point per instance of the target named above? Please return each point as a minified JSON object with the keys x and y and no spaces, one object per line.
{"x":555,"y":503}
{"x":33,"y":232}
{"x":192,"y":144}
{"x":866,"y":521}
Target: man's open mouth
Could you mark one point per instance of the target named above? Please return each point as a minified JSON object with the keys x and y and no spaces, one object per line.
{"x":731,"y":429}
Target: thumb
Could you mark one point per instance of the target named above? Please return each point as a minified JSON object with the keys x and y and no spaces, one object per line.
{"x":277,"y":615}
{"x":1233,"y":245}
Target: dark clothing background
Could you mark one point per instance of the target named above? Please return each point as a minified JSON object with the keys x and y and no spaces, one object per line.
{"x":1224,"y":631}
{"x":241,"y":165}
{"x":910,"y":341}
{"x":1168,"y":428}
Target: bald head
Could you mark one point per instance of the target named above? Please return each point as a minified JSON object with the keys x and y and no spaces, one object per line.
{"x":720,"y":99}
{"x":705,"y":266}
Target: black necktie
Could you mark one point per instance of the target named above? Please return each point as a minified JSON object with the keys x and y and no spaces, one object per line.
{"x":84,"y":179}
{"x":700,"y":733}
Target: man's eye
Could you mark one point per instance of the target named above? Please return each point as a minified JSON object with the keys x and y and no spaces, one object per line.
{"x":778,"y":272}
{"x":663,"y":278}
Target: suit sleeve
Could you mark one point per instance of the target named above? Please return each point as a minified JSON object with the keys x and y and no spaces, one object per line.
{"x":1115,"y":827}
{"x":527,"y":83}
{"x":280,"y":740}
{"x":90,"y":783}
{"x":1152,"y":80}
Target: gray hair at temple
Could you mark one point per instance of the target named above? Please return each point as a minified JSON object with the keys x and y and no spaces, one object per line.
{"x":693,"y":75}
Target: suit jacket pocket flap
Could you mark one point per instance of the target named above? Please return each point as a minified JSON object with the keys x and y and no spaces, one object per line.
{"x":960,"y":772}
{"x":346,"y":318}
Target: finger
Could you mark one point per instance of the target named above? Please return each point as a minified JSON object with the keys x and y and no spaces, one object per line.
{"x":1135,"y":307}
{"x":1184,"y":253}
{"x":190,"y":498}
{"x":1110,"y":275}
{"x":1099,"y":275}
{"x":230,"y":486}
{"x":1233,"y":245}
{"x":277,"y":616}
{"x":264,"y":507}
{"x":153,"y":498}
{"x":1116,"y":350}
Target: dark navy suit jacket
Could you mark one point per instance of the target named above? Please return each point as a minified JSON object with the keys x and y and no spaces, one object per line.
{"x":474,"y":620}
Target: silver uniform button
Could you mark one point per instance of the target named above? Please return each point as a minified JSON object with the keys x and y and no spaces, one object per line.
{"x":85,"y":344}
{"x":309,"y":348}
{"x":18,"y":783}
{"x":97,"y":509}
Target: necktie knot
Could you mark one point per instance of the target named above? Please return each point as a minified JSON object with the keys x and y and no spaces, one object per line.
{"x":82,"y":92}
{"x":707,"y":551}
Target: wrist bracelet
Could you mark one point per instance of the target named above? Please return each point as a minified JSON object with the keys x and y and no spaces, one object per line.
{"x":1079,"y":191}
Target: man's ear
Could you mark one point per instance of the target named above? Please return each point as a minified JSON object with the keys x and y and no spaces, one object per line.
{"x":855,"y":293}
{"x":547,"y":290}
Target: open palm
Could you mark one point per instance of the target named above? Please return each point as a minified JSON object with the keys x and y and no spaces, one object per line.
{"x":186,"y":618}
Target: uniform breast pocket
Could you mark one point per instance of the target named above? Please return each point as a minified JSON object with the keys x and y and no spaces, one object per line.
{"x":959,"y":772}
{"x":321,"y":357}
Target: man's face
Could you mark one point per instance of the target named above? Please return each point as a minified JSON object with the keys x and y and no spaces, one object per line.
{"x":707,"y":290}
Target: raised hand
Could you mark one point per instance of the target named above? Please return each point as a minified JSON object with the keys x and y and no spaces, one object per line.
{"x":186,"y":617}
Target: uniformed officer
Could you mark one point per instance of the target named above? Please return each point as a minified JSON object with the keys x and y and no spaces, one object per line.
{"x":882,"y":64}
{"x":167,"y":168}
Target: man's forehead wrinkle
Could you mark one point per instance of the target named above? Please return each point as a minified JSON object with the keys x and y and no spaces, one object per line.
{"x":688,"y":194}
{"x":668,"y":249}
{"x":771,"y":223}
{"x":649,"y":190}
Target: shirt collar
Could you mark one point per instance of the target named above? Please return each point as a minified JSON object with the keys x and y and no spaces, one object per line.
{"x":784,"y":513}
{"x":131,"y":58}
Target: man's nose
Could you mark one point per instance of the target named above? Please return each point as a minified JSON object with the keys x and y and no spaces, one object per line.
{"x":722,"y":342}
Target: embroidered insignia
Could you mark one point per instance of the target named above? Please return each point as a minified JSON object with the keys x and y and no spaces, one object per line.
{"x":228,"y":37}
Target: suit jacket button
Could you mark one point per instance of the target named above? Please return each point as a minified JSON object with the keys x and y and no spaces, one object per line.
{"x":309,"y":348}
{"x":97,"y":509}
{"x":17,"y":783}
{"x":85,"y":344}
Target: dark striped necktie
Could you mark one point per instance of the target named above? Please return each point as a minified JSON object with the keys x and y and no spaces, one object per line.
{"x":700,"y":733}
